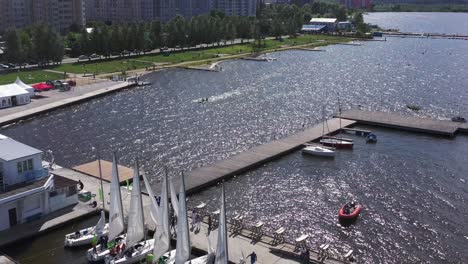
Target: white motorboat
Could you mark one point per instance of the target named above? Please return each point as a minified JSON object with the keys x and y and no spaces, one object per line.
{"x":134,"y":254}
{"x":318,"y":151}
{"x":336,"y":143}
{"x":87,"y":235}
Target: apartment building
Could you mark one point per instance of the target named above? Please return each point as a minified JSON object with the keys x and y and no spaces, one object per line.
{"x":60,"y":14}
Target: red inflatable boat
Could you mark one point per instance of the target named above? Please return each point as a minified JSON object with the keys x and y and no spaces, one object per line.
{"x":349,"y":211}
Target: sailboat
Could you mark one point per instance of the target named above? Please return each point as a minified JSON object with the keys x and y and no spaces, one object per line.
{"x":337,"y":142}
{"x":136,"y":248}
{"x":87,"y":235}
{"x":116,"y":221}
{"x":316,"y":150}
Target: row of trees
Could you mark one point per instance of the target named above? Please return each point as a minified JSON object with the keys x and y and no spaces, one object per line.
{"x":43,"y":44}
{"x":39,"y":44}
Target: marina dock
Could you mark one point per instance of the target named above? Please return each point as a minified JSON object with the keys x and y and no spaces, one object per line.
{"x":240,"y":243}
{"x":408,"y":123}
{"x":202,"y":177}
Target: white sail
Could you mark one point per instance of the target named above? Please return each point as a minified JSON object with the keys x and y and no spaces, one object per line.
{"x":174,"y":200}
{"x":161,"y":234}
{"x":154,"y":208}
{"x":183,"y":241}
{"x":116,"y":222}
{"x":221,"y":247}
{"x":99,"y":228}
{"x":136,"y":222}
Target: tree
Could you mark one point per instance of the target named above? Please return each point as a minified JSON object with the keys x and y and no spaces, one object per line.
{"x":12,"y":47}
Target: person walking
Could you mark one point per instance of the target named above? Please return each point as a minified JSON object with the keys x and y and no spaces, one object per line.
{"x":253,"y":257}
{"x":210,"y":225}
{"x":80,"y":184}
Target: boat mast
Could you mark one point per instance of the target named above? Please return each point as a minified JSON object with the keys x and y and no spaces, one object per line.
{"x":120,"y":193}
{"x":167,"y":205}
{"x":100,"y":178}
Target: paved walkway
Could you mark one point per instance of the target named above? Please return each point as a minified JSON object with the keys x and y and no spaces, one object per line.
{"x":46,"y":223}
{"x":55,"y":99}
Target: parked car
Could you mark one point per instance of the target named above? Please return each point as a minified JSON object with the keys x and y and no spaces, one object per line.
{"x":94,"y":56}
{"x":65,"y":87}
{"x":10,"y":65}
{"x":82,"y":57}
{"x":4,"y":66}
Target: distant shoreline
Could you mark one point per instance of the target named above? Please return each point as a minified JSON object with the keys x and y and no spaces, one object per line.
{"x":460,"y":8}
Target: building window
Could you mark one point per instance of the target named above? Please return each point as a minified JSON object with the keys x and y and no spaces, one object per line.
{"x":25,"y":165}
{"x":19,"y":167}
{"x":30,"y":164}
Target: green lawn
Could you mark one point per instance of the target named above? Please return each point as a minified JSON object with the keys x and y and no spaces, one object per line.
{"x":103,"y":67}
{"x":29,"y":76}
{"x":179,"y":57}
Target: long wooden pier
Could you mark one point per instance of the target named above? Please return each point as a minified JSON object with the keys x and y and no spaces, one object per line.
{"x":409,"y":123}
{"x":202,"y":177}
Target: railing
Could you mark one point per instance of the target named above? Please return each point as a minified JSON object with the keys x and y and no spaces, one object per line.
{"x":34,"y":175}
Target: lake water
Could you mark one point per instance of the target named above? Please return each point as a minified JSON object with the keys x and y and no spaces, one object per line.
{"x":413,"y":186}
{"x":421,"y":22}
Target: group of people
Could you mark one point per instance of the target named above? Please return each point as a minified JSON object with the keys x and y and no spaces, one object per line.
{"x":349,"y":207}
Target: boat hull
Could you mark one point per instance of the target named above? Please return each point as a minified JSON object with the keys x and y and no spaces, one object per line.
{"x":84,"y":239}
{"x":137,"y":256}
{"x":318,"y":151}
{"x":339,"y":144}
{"x":350,"y":217}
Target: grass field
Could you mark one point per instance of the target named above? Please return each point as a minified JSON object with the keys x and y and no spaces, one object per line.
{"x":118,"y":65}
{"x":179,"y":57}
{"x":29,"y":76}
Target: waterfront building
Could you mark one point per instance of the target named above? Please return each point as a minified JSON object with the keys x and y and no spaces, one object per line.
{"x":323,"y":24}
{"x":27,"y":190}
{"x":235,"y":7}
{"x":60,"y":14}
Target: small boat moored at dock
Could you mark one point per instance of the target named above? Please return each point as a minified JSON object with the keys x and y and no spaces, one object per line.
{"x":87,"y":235}
{"x":336,"y":143}
{"x":371,"y":138}
{"x":458,"y":119}
{"x":318,"y":151}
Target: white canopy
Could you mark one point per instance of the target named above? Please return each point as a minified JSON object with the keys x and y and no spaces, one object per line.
{"x":9,"y":90}
{"x":25,"y":86}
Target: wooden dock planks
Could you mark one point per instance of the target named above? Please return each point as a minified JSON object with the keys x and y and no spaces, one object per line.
{"x":92,"y":169}
{"x":240,"y":163}
{"x":410,"y":123}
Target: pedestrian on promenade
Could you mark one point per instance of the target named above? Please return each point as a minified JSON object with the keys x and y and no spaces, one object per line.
{"x":80,"y":184}
{"x":210,"y":225}
{"x":253,"y":257}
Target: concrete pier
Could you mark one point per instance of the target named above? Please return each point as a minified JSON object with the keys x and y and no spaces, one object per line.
{"x":45,"y":224}
{"x":408,"y":123}
{"x":14,"y":114}
{"x":202,"y":177}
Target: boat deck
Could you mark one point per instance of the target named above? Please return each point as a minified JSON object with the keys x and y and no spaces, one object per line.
{"x":409,"y":123}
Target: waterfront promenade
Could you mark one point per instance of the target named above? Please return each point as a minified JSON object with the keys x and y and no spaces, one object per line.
{"x":52,"y":100}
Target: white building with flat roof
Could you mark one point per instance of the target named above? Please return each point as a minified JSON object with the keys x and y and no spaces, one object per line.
{"x":27,"y":190}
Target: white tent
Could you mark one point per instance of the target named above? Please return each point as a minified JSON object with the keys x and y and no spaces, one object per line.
{"x":13,"y":94}
{"x":28,"y":88}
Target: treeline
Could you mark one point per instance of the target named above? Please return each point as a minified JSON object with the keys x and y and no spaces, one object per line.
{"x":37,"y":44}
{"x":420,"y":8}
{"x":42,"y":44}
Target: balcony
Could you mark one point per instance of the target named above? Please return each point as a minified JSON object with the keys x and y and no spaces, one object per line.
{"x":34,"y":175}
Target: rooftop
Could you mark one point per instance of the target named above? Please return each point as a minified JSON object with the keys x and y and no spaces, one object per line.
{"x":323,"y":20}
{"x":11,"y":149}
{"x":23,"y":187}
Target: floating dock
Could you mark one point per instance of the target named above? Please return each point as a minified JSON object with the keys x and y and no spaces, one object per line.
{"x":408,"y":123}
{"x":200,"y":178}
{"x":92,"y":169}
{"x":311,"y":49}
